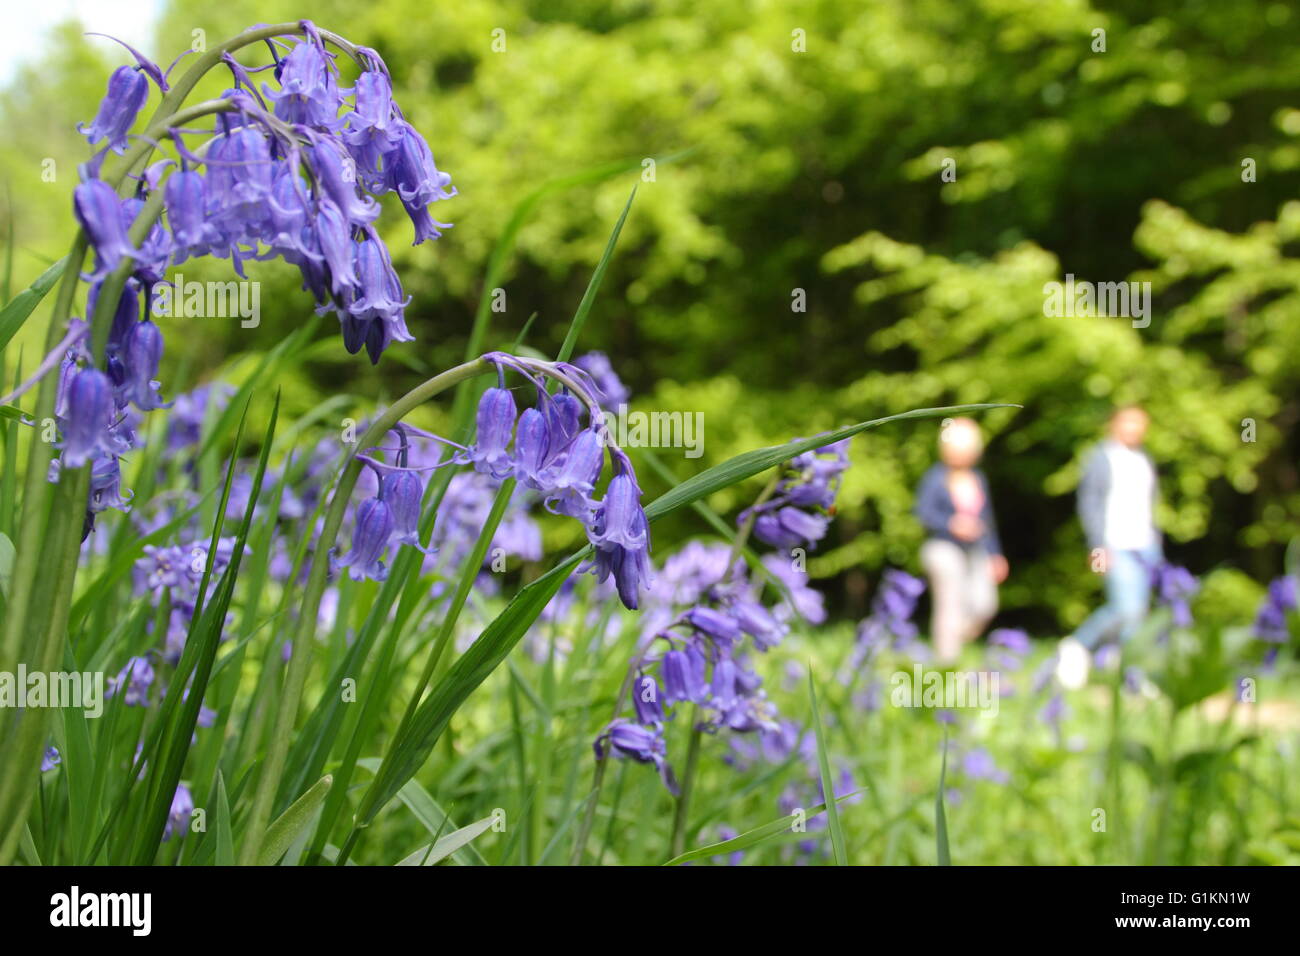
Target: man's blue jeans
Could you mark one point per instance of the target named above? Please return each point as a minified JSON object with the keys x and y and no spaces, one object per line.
{"x":1128,"y":595}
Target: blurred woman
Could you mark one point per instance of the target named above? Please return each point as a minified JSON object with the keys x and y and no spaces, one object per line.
{"x":962,"y":557}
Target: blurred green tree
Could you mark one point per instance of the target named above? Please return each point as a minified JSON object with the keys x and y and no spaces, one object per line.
{"x":908,"y":173}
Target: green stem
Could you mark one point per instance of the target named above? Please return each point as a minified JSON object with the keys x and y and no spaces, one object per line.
{"x":682,"y":810}
{"x":299,"y":660}
{"x":23,"y":762}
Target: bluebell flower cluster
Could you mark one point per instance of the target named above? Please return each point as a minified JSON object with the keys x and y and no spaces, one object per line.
{"x":133,"y":682}
{"x":1174,"y":588}
{"x":710,"y":614}
{"x":890,"y":621}
{"x":1272,"y":622}
{"x":292,"y":171}
{"x":889,"y":626}
{"x":555,"y":456}
{"x":799,"y":512}
{"x":1007,"y":649}
{"x":173,"y":573}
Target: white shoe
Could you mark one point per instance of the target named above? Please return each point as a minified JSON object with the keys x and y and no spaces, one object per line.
{"x":1072,"y":661}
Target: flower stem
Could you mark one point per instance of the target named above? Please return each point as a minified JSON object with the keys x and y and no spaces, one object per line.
{"x":678,"y":844}
{"x":299,"y":660}
{"x":683,"y":801}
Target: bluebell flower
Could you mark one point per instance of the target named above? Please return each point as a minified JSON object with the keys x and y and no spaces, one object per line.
{"x":127,"y":91}
{"x":178,"y":816}
{"x":790,"y":527}
{"x":336,"y":177}
{"x":308,"y":93}
{"x":1054,"y":711}
{"x":621,"y":535}
{"x":186,"y":200}
{"x":240,"y":176}
{"x":495,"y":428}
{"x":571,"y":480}
{"x":683,"y":675}
{"x":645,"y":700}
{"x":410,"y":172}
{"x":563,"y":421}
{"x":1272,"y":619}
{"x":334,"y":233}
{"x":532,"y":449}
{"x":804,"y":601}
{"x":372,"y":128}
{"x":124,"y":318}
{"x":374,"y":315}
{"x":611,"y":391}
{"x":404,"y":492}
{"x":154,"y":251}
{"x":639,"y":743}
{"x":87,"y":427}
{"x":141,"y":354}
{"x":106,"y":485}
{"x":1174,"y":587}
{"x":374,"y":526}
{"x":978,"y":764}
{"x":98,"y":209}
{"x":715,"y":624}
{"x":133,"y":680}
{"x":1008,"y":648}
{"x":759,"y":623}
{"x":736,"y":700}
{"x":50,"y":759}
{"x":890,"y":619}
{"x":1013,"y":639}
{"x":816,"y":476}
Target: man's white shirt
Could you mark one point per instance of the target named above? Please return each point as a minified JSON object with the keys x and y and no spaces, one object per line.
{"x":1130,"y":525}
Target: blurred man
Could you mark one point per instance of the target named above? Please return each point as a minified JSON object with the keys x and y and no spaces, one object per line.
{"x":962,"y":557}
{"x":1117,"y":505}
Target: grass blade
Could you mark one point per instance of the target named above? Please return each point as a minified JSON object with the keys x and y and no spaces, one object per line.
{"x":940,"y":817}
{"x":588,"y":297}
{"x":24,"y":303}
{"x":750,"y":837}
{"x":288,"y":825}
{"x":828,"y":781}
{"x":445,"y":847}
{"x":225,"y":835}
